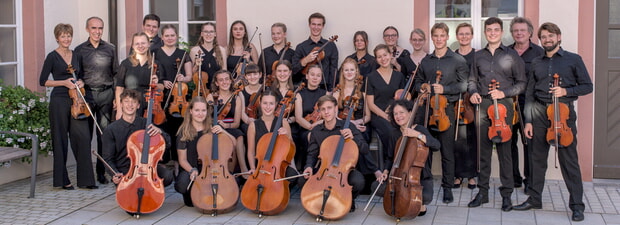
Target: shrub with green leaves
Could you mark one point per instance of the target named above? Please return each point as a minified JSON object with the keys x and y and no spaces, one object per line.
{"x":25,"y":111}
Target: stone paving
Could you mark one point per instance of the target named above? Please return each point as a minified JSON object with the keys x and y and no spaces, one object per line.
{"x":82,"y":206}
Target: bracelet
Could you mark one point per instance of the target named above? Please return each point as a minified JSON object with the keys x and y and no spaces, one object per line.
{"x":193,"y":169}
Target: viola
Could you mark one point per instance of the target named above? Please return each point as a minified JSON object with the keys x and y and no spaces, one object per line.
{"x":286,"y":103}
{"x":199,"y":76}
{"x":141,"y":190}
{"x":464,"y":109}
{"x":79,"y":107}
{"x":179,"y":91}
{"x":402,"y":198}
{"x":559,"y":134}
{"x":439,"y":119}
{"x":274,"y":153}
{"x":321,"y":55}
{"x":159,"y":115}
{"x":499,"y":131}
{"x":327,"y":193}
{"x":207,"y":196}
{"x":352,"y":101}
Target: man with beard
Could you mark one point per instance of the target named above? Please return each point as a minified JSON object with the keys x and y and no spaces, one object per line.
{"x":575,"y":81}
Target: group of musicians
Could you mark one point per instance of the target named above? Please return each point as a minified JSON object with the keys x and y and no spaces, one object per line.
{"x":510,"y":87}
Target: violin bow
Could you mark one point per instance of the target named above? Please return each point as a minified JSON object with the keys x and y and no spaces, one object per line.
{"x":72,"y":71}
{"x":262,"y":55}
{"x":175,"y":79}
{"x":458,"y":112}
{"x":234,"y":72}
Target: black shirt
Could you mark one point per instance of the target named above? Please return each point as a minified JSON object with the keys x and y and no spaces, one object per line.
{"x":329,"y":63}
{"x":369,"y":63}
{"x":156,"y":43}
{"x":384,"y":92}
{"x":99,"y":65}
{"x":191,"y":148}
{"x":505,"y":66}
{"x":309,"y":99}
{"x":114,"y":141}
{"x":407,"y":66}
{"x":271,"y":56}
{"x":528,"y":56}
{"x":573,"y":74}
{"x":388,"y":155}
{"x":135,"y":77}
{"x":209,"y":63}
{"x":319,"y":133}
{"x":469,"y":57}
{"x":56,"y":65}
{"x":168,"y":64}
{"x":454,"y":72}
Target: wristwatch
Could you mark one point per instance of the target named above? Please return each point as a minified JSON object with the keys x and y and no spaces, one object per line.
{"x":420,"y":136}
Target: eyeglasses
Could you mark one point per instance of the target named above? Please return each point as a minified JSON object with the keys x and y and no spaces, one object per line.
{"x":390,"y":35}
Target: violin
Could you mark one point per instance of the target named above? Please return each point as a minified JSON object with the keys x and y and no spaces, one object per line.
{"x":206,"y":193}
{"x":141,"y":190}
{"x":321,"y":55}
{"x":252,"y":108}
{"x":327,"y":193}
{"x":79,"y":107}
{"x":403,"y":193}
{"x":159,"y":115}
{"x":314,"y":116}
{"x":402,"y":93}
{"x":274,"y":153}
{"x":288,"y":100}
{"x":228,"y":105}
{"x":351,"y":100}
{"x":499,"y":131}
{"x":199,"y":76}
{"x":362,"y":61}
{"x":439,"y":119}
{"x":179,"y":91}
{"x":274,"y":65}
{"x":464,"y":110}
{"x":559,"y":133}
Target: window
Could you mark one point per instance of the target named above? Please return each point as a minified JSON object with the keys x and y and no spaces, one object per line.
{"x":475,"y":12}
{"x":10,"y":38}
{"x":186,"y":15}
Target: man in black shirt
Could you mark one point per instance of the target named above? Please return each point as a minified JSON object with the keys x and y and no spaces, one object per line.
{"x":150,"y":26}
{"x":453,"y":81}
{"x":275,"y":51}
{"x":99,"y":66}
{"x":117,"y":133}
{"x":495,"y":62}
{"x":574,"y":81}
{"x":522,"y":31}
{"x":331,"y":126}
{"x":304,"y":54}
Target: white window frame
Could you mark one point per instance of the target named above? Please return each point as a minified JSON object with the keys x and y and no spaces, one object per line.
{"x":182,"y":21}
{"x":19,"y":44}
{"x":476,"y":21}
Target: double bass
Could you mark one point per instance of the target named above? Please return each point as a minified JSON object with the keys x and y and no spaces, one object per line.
{"x":141,"y":190}
{"x":215,"y":189}
{"x":274,"y":154}
{"x":559,"y":134}
{"x":439,"y":120}
{"x":327,"y":193}
{"x":402,"y":198}
{"x":79,"y":107}
{"x":499,"y":131}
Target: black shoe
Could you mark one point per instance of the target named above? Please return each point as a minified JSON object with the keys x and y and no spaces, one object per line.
{"x":459,"y":184}
{"x":422,"y":213}
{"x":471,"y":186}
{"x":577,"y":215}
{"x":518,"y":184}
{"x":70,"y":187}
{"x":102,"y":180}
{"x":447,"y":195}
{"x":526,"y":186}
{"x":506,"y":204}
{"x":478,"y":200}
{"x":526,"y":206}
{"x":89,"y":187}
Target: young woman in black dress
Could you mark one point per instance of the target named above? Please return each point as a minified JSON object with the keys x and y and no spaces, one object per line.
{"x":382,"y":85}
{"x":252,"y":76}
{"x":237,"y":41}
{"x":212,"y":55}
{"x":410,"y":61}
{"x":196,"y":122}
{"x":367,"y":63}
{"x":62,"y":125}
{"x":305,"y":102}
{"x":222,"y":85}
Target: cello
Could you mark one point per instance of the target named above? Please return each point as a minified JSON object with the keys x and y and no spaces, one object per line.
{"x":499,"y":131}
{"x":403,"y":193}
{"x":215,"y":151}
{"x":141,"y":190}
{"x":274,"y":154}
{"x":559,"y":134}
{"x":79,"y":108}
{"x":321,"y":55}
{"x":439,"y":120}
{"x":179,"y":91}
{"x":327,"y":193}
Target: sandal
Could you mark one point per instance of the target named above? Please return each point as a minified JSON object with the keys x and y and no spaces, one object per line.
{"x":460,"y":181}
{"x":470,"y":185}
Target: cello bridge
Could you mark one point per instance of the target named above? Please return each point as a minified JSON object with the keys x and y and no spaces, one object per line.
{"x":265,"y":172}
{"x":332,"y":176}
{"x":397,"y":178}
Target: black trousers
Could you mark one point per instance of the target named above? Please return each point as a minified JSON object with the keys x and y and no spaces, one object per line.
{"x":65,"y":128}
{"x":383,"y":129}
{"x":503,"y":151}
{"x":466,"y":152}
{"x":446,"y":138}
{"x":516,"y":133}
{"x":102,"y":108}
{"x":567,"y":157}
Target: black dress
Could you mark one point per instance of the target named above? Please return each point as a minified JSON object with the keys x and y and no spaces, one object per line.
{"x":209,"y":64}
{"x":136,"y":78}
{"x":229,"y":118}
{"x":383,"y":96}
{"x":191,"y":152}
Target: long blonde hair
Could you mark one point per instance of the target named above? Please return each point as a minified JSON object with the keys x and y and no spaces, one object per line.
{"x":218,"y":52}
{"x":132,"y":58}
{"x":342,"y":82}
{"x":187,"y":132}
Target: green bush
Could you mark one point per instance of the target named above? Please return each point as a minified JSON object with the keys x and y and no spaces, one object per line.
{"x":26,"y":111}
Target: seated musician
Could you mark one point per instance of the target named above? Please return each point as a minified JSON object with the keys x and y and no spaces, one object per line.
{"x":197,"y":121}
{"x":116,"y":134}
{"x":332,"y":126}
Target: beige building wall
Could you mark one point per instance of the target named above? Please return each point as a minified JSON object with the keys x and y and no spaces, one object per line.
{"x":75,"y":13}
